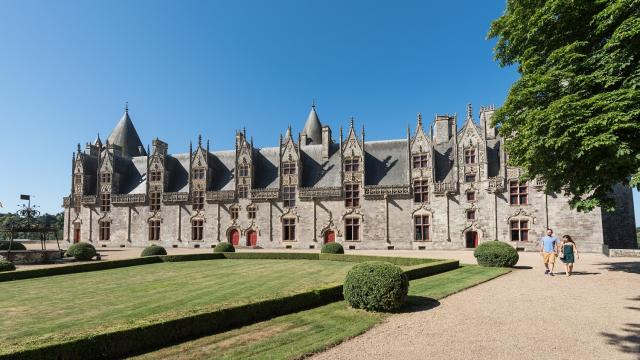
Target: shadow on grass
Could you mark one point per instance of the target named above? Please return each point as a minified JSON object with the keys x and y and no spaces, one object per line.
{"x":630,"y":266}
{"x":418,"y":303}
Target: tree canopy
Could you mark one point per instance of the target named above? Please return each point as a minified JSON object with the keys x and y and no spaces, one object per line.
{"x":573,"y":116}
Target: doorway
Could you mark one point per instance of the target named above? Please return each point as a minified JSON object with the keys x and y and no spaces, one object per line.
{"x":234,"y":237}
{"x":76,"y":233}
{"x":471,"y":239}
{"x":329,"y":236}
{"x":252,"y":238}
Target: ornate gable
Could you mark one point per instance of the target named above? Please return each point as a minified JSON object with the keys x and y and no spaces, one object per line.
{"x":421,"y":154}
{"x":471,"y":151}
{"x":289,"y":161}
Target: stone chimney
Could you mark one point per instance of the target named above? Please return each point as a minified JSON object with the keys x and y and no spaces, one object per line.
{"x":442,"y":129}
{"x":486,"y":114}
{"x":159,"y":146}
{"x":326,"y":142}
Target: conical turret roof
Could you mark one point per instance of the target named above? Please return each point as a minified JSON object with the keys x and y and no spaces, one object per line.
{"x":126,"y":136}
{"x":313,"y":127}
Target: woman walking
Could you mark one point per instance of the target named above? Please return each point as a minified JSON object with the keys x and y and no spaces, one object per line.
{"x":569,"y":253}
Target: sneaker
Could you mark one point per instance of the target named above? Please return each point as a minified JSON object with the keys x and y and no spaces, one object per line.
{"x":546,"y":272}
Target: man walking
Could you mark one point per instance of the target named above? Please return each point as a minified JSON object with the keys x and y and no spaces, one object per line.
{"x":548,"y":248}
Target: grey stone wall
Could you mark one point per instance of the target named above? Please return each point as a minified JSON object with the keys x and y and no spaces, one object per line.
{"x":378,"y":230}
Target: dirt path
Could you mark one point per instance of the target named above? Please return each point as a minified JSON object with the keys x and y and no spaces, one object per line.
{"x":594,"y":314}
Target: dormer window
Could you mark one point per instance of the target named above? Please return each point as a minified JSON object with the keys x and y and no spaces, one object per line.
{"x":470,"y":156}
{"x":243,"y":192}
{"x":199,"y":174}
{"x":105,"y":178}
{"x":105,"y":202}
{"x":288,"y":168}
{"x":155,"y":175}
{"x":420,"y":161}
{"x":243,"y":170}
{"x":198,"y":200}
{"x":351,"y":164}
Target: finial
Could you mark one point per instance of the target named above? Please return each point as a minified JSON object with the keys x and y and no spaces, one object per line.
{"x":313,"y":103}
{"x":78,"y":148}
{"x":126,"y":107}
{"x":199,"y":140}
{"x":244,"y":132}
{"x":420,"y":119}
{"x":469,"y":111}
{"x":207,"y":145}
{"x":351,"y":122}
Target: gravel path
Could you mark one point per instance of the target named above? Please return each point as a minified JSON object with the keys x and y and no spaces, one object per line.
{"x":594,"y":314}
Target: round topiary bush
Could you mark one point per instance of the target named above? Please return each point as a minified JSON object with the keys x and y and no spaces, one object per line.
{"x":82,"y":251}
{"x":332,"y":248}
{"x":224,"y":247}
{"x":5,"y":244}
{"x":496,"y":254}
{"x":6,"y":265}
{"x":153,"y":250}
{"x":376,"y":286}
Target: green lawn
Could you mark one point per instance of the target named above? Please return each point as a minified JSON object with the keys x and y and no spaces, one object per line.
{"x":45,"y":309}
{"x":305,"y":332}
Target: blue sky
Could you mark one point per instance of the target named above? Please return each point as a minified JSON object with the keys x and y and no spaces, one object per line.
{"x":210,"y":67}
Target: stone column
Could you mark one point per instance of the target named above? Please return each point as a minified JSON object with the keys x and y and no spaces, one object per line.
{"x":386,"y":217}
{"x":546,"y":212}
{"x":270,"y":220}
{"x":129,"y":225}
{"x":315,"y":220}
{"x":90,"y":225}
{"x":179,"y":222}
{"x":448,"y":222}
{"x":495,"y":213}
{"x":218,"y":221}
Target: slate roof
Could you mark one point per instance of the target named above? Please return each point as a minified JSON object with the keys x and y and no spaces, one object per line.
{"x":319,"y":173}
{"x":313,"y":127}
{"x":386,"y":162}
{"x":126,"y":136}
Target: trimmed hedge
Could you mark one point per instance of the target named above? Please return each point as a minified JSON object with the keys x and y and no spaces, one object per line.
{"x":144,"y":337}
{"x":275,"y":256}
{"x":5,"y":244}
{"x":6,"y":265}
{"x":376,"y":286}
{"x":332,"y":248}
{"x":432,"y":268}
{"x":82,"y":251}
{"x":224,"y":247}
{"x":361,"y":258}
{"x":153,"y":250}
{"x":496,"y":254}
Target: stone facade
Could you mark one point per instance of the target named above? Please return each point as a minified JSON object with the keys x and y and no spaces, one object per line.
{"x":446,"y":188}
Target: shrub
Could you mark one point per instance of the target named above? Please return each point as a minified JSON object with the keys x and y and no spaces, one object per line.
{"x":376,"y":286}
{"x":332,"y":248}
{"x":224,"y":247}
{"x":5,"y":244}
{"x":82,"y":251}
{"x":6,"y":265}
{"x":153,"y":250}
{"x":496,"y":254}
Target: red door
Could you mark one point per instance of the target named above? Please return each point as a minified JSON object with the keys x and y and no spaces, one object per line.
{"x":329,"y":237}
{"x":234,"y":235}
{"x":472,"y":239}
{"x":252,"y":238}
{"x":76,"y":234}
